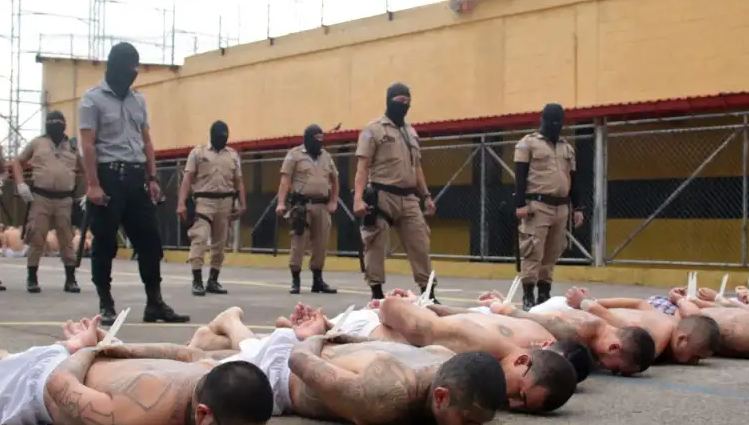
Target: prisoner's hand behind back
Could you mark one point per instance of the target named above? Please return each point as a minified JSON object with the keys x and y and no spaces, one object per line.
{"x":314,"y":325}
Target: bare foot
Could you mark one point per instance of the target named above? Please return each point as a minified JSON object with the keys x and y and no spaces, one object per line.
{"x":221,"y":321}
{"x":4,"y":354}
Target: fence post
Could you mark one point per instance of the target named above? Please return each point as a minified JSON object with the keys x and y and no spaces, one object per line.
{"x":600,"y":189}
{"x":745,"y":194}
{"x":483,"y":241}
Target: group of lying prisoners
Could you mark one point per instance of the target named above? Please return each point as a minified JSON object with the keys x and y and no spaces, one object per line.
{"x":13,"y":245}
{"x":402,"y":359}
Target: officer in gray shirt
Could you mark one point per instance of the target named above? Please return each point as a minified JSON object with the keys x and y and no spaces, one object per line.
{"x":122,"y":183}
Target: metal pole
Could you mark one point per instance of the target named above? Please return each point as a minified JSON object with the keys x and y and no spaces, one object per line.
{"x":174,"y":27}
{"x":674,"y":194}
{"x":322,"y":13}
{"x":178,"y":222}
{"x":745,"y":195}
{"x":600,"y":188}
{"x":267,"y":34}
{"x":482,"y":201}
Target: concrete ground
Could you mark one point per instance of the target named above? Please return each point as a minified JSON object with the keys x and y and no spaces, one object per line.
{"x":663,"y":395}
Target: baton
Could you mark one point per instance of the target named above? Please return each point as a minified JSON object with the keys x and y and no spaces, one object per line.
{"x":25,"y":221}
{"x":275,"y":235}
{"x":516,"y":240}
{"x":84,"y":230}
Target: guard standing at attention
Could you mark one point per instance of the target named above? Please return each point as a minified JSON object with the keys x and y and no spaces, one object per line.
{"x":54,"y":161}
{"x":310,"y":173}
{"x":3,"y":175}
{"x":214,"y":173}
{"x":120,"y":164}
{"x":389,"y":182}
{"x":545,"y":185}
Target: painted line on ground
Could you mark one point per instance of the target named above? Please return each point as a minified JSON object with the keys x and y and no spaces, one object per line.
{"x":131,"y":325}
{"x":234,"y":282}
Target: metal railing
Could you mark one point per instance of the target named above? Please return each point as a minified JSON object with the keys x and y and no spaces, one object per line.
{"x":658,"y":191}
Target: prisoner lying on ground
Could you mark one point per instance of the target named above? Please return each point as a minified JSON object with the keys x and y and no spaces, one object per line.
{"x":677,"y":340}
{"x":370,"y":382}
{"x":626,"y":351}
{"x":540,"y":378}
{"x":68,"y":383}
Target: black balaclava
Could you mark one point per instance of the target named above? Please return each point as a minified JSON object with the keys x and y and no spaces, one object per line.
{"x":552,"y":121}
{"x":397,"y":111}
{"x":311,"y":144}
{"x":219,"y":135}
{"x":55,"y":126}
{"x":122,"y":68}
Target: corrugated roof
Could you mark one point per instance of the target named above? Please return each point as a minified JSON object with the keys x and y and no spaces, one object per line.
{"x":653,"y":108}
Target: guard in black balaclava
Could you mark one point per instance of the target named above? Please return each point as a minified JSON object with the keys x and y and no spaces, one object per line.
{"x":312,"y":144}
{"x":219,"y":135}
{"x":122,"y":68}
{"x":397,"y":110}
{"x":552,"y":121}
{"x":55,"y":126}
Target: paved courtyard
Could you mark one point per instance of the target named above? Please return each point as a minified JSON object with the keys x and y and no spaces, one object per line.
{"x":663,"y":395}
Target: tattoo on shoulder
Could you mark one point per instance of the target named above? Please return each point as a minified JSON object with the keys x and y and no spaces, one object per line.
{"x":392,"y":390}
{"x":75,"y":410}
{"x":506,"y":331}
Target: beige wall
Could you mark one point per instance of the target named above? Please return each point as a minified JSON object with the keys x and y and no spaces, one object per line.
{"x":507,"y":56}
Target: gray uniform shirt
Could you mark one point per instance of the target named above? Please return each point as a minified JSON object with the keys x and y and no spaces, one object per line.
{"x":118,"y":124}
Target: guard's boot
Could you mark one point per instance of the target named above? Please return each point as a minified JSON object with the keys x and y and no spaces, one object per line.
{"x":431,"y":294}
{"x":212,"y":286}
{"x":319,"y":286}
{"x":197,"y":283}
{"x":106,"y":307}
{"x":296,"y":282}
{"x":529,"y":296}
{"x":158,"y":311}
{"x":2,"y":288}
{"x":70,"y":283}
{"x":544,"y":291}
{"x":32,"y":281}
{"x":377,"y":293}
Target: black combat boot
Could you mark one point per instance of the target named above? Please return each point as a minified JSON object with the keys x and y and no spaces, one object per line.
{"x":212,"y":286}
{"x":544,"y":291}
{"x":377,"y":293}
{"x":106,"y":306}
{"x":319,"y":286}
{"x":70,"y":283}
{"x":296,"y":282}
{"x":157,"y":310}
{"x":32,"y":281}
{"x":197,"y":283}
{"x":529,"y":296}
{"x":2,"y":288}
{"x":431,"y":294}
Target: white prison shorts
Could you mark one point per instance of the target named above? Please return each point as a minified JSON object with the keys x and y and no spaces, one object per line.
{"x":23,"y":378}
{"x":271,"y":354}
{"x":481,"y":309}
{"x":553,"y":305}
{"x":9,"y":253}
{"x":359,"y":323}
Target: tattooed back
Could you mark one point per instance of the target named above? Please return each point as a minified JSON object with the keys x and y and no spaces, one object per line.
{"x":147,"y":390}
{"x":734,"y":330}
{"x":523,"y":333}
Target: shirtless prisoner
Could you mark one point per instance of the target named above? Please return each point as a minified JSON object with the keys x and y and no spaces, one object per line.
{"x":733,"y":323}
{"x":626,"y":351}
{"x":373,"y":382}
{"x":68,"y":384}
{"x":678,"y":340}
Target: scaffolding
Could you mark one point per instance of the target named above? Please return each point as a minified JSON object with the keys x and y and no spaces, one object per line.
{"x":23,"y":117}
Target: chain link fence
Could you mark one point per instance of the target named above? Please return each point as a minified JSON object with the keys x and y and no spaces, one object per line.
{"x":677,"y":191}
{"x":669,"y":191}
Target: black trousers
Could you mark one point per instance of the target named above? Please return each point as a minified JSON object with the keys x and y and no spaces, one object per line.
{"x":129,"y":206}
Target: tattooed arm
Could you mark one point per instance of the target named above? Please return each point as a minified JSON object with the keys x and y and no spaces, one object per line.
{"x":176,"y":352}
{"x":582,"y":332}
{"x":375,"y":396}
{"x":73,"y":402}
{"x":443,"y":310}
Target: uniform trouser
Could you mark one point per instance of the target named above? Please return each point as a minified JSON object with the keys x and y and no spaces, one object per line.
{"x":217,"y":230}
{"x":412,"y":230}
{"x":47,"y":214}
{"x":317,"y":235}
{"x":542,"y":241}
{"x":130,"y":206}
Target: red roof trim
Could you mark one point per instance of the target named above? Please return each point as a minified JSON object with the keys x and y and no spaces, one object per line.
{"x":701,"y":104}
